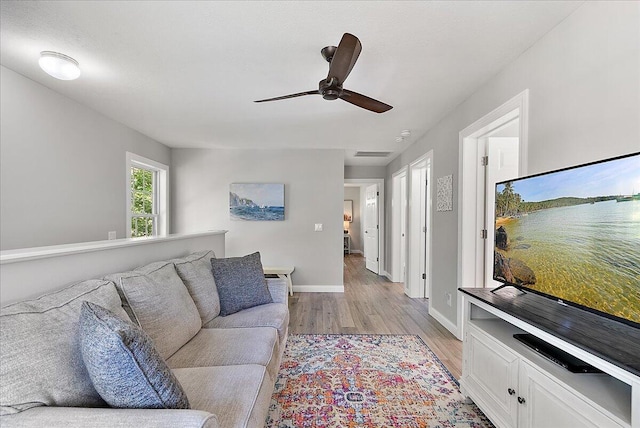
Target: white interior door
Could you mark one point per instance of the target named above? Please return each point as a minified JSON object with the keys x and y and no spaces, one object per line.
{"x":503,"y":157}
{"x":403,"y":227}
{"x":399,"y":226}
{"x":425,"y":207}
{"x":371,"y":229}
{"x":422,"y":279}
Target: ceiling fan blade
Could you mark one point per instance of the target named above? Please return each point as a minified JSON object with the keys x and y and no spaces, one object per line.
{"x":364,"y":101}
{"x":284,"y":97}
{"x":344,"y":58}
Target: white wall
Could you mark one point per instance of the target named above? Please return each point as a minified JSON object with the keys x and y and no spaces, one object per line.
{"x":360,"y":172}
{"x":355,"y":227}
{"x":62,"y":167}
{"x":313,"y":180}
{"x":584,"y":105}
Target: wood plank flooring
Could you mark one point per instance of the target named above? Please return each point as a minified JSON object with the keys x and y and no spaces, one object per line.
{"x":372,"y":305}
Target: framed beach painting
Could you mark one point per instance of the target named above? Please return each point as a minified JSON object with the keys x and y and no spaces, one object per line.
{"x":256,"y":201}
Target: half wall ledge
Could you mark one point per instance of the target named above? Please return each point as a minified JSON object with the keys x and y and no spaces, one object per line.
{"x":24,"y":254}
{"x":30,"y":272}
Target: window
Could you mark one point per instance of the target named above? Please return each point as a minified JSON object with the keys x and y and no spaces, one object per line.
{"x":146,"y":197}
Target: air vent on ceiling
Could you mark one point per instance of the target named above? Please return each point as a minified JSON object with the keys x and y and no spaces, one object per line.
{"x":372,"y":154}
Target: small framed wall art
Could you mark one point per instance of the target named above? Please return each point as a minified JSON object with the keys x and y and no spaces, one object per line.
{"x":348,"y":211}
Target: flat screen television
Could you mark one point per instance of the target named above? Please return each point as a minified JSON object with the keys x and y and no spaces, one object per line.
{"x":574,"y":235}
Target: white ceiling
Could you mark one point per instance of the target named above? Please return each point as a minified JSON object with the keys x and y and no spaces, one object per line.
{"x":186,"y":72}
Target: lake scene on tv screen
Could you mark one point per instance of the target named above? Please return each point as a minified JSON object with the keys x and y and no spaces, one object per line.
{"x":574,"y":234}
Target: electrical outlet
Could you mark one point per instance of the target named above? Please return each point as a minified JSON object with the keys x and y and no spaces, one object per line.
{"x":449,"y":299}
{"x":111,"y":235}
{"x":318,"y":227}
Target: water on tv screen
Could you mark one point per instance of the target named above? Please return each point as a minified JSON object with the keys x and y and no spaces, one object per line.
{"x":574,"y":235}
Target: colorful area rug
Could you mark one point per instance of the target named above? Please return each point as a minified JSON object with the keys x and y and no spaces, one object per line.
{"x":367,"y":381}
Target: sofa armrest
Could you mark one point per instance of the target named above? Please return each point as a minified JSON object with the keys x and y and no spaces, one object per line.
{"x":82,"y":417}
{"x":278,"y":287}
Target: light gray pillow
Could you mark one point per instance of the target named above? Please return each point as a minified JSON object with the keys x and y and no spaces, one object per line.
{"x":123,"y":364}
{"x":195,"y":272}
{"x":160,"y":303}
{"x":40,"y":359}
{"x":240,"y":282}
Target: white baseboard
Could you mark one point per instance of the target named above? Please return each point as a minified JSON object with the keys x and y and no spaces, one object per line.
{"x":387,"y":274}
{"x":318,"y":288}
{"x":356,"y":252}
{"x":444,"y":321}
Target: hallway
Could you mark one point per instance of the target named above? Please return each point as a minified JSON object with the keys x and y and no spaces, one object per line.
{"x":372,"y":305}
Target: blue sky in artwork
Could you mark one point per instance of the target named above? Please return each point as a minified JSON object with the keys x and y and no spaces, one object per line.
{"x":617,"y":177}
{"x":269,"y":194}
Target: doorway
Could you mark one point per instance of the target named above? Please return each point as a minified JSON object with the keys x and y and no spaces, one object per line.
{"x":399,"y":226}
{"x":501,"y":150}
{"x":371,"y":228}
{"x":418,"y":280}
{"x":492,"y":149}
{"x":372,"y":224}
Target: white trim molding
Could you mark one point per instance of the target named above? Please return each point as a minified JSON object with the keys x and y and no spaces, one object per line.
{"x":444,"y":321}
{"x":318,"y":288}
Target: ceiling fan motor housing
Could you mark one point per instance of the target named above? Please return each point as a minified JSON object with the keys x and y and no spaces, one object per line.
{"x":327,"y":52}
{"x":330,"y":89}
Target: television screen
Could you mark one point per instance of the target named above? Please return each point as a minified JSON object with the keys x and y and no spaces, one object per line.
{"x":574,"y":235}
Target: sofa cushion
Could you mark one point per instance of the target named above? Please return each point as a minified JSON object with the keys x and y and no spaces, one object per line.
{"x":195,"y":272}
{"x":123,"y":364}
{"x":240,"y":282}
{"x":160,"y":304}
{"x":85,"y":417}
{"x":41,"y":363}
{"x":228,"y":347}
{"x":238,"y":395}
{"x":275,"y":315}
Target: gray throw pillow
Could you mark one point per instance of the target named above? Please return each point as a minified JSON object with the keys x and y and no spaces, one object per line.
{"x":123,"y":364}
{"x":240,"y":282}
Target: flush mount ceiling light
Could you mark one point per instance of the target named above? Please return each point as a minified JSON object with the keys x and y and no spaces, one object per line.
{"x":59,"y":66}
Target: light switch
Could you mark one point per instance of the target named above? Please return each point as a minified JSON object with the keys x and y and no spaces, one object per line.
{"x":318,"y":227}
{"x":112,"y":235}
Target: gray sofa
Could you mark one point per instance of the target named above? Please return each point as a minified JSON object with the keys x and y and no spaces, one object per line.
{"x":226,"y":365}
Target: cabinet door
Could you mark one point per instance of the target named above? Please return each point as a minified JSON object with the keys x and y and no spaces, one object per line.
{"x":491,"y":377}
{"x":547,"y":404}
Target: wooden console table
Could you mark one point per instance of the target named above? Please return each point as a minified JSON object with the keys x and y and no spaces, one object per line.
{"x":283,"y":272}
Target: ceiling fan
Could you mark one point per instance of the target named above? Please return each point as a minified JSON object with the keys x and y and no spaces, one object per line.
{"x":341,"y":61}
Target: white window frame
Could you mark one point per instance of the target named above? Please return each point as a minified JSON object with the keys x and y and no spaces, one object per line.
{"x":161,"y":192}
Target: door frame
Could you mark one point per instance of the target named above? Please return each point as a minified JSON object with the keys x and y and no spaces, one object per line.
{"x":396,"y":223}
{"x":425,"y":161}
{"x":471,"y":200}
{"x":363,"y":182}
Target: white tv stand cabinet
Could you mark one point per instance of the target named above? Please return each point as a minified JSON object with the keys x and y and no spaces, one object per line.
{"x":517,"y":387}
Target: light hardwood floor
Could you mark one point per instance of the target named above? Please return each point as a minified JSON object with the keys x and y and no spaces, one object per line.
{"x":371,"y":304}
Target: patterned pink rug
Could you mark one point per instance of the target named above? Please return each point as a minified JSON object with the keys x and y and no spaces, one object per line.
{"x":367,"y":381}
